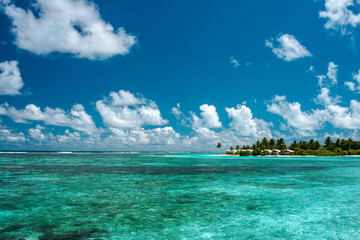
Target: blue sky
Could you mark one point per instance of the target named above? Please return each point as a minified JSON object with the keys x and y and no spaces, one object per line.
{"x":176,"y":76}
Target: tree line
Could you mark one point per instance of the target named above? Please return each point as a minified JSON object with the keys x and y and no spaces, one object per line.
{"x":339,"y":147}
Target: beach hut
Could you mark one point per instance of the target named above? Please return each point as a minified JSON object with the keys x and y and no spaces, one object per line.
{"x":288,"y":151}
{"x":275,"y":152}
{"x":268,"y":151}
{"x":246,"y":150}
{"x":230,"y":151}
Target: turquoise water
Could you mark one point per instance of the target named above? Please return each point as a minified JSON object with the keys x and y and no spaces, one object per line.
{"x":149,"y":196}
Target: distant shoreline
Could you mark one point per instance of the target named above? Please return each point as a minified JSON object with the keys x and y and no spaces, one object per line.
{"x":230,"y":155}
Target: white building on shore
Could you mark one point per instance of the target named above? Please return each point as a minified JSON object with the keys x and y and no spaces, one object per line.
{"x":288,"y":151}
{"x":237,"y":151}
{"x":268,"y":151}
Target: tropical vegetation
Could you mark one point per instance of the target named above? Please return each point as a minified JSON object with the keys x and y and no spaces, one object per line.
{"x":339,"y":147}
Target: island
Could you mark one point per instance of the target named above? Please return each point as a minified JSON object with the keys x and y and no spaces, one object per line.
{"x":275,"y":147}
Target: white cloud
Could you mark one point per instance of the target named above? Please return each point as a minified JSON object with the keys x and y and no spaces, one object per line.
{"x":353,"y":134}
{"x":10,"y":78}
{"x":304,"y":122}
{"x":234,"y":62}
{"x":210,"y":118}
{"x":125,"y":98}
{"x":118,"y":139}
{"x":244,"y":129}
{"x":332,"y":72}
{"x":67,"y":26}
{"x":311,"y":69}
{"x":356,"y":76}
{"x":339,"y":16}
{"x":156,"y":136}
{"x":36,"y":133}
{"x":7,"y":135}
{"x":351,"y":86}
{"x":69,"y":137}
{"x":206,"y":133}
{"x":354,"y":86}
{"x":245,"y":124}
{"x":345,"y":118}
{"x":120,"y":112}
{"x":40,"y":136}
{"x":324,"y":97}
{"x":179,"y":115}
{"x":77,"y":118}
{"x":331,"y":76}
{"x":176,"y":111}
{"x":289,"y":48}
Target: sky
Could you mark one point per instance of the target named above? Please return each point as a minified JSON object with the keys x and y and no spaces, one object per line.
{"x":82,"y":75}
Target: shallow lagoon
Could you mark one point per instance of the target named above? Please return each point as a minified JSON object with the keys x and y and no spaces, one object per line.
{"x":190,"y":196}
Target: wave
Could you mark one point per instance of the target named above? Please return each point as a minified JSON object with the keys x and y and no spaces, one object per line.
{"x":13,"y":152}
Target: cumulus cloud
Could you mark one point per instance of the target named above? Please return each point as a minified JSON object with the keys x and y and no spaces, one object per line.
{"x":324,"y":97}
{"x":155,"y":136}
{"x":326,"y":82}
{"x":176,"y":111}
{"x":36,"y":133}
{"x":330,"y":79}
{"x":245,"y":124}
{"x":118,"y":139}
{"x":210,"y":118}
{"x":179,"y":115}
{"x":243,"y":128}
{"x":307,"y":122}
{"x":125,"y":98}
{"x":66,"y":26}
{"x":8,"y":135}
{"x":77,"y":118}
{"x":69,"y":137}
{"x":40,"y":136}
{"x":339,"y":16}
{"x":345,"y":118}
{"x":351,"y":86}
{"x":332,"y":72}
{"x":304,"y":122}
{"x":288,"y":49}
{"x":354,"y":86}
{"x":124,"y":110}
{"x":10,"y":78}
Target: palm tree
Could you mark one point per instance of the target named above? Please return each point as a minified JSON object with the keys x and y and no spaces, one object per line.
{"x":328,"y":144}
{"x":272,"y":143}
{"x":237,"y":148}
{"x":265,"y":143}
{"x":280,"y":144}
{"x":219,"y":145}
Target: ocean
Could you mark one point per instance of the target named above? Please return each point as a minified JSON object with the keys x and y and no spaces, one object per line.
{"x":177,"y":196}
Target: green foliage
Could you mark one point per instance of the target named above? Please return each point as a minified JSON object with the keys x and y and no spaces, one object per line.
{"x":256,"y":152}
{"x":280,"y":144}
{"x":341,"y":147}
{"x":264,"y":153}
{"x":245,"y":153}
{"x":328,"y":144}
{"x":272,"y":143}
